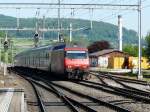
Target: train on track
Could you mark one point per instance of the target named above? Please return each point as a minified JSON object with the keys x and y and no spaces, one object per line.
{"x":64,"y":59}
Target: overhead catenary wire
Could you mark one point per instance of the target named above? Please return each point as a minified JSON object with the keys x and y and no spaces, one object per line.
{"x":114,"y":15}
{"x":91,"y":2}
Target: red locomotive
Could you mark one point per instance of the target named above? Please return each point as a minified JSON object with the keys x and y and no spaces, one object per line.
{"x":68,"y":60}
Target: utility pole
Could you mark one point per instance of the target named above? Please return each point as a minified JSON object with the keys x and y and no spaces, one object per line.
{"x":140,"y":76}
{"x":36,"y":35}
{"x":120,"y":32}
{"x":0,"y":53}
{"x":91,"y":18}
{"x":43,"y":26}
{"x":11,"y":44}
{"x":70,"y":32}
{"x":59,"y":30}
{"x":18,"y":19}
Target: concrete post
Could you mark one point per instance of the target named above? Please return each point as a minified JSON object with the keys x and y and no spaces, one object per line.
{"x":5,"y":62}
{"x":0,"y":55}
{"x":140,"y":76}
{"x":120,"y":32}
{"x":6,"y":45}
{"x":70,"y":32}
{"x":59,"y":30}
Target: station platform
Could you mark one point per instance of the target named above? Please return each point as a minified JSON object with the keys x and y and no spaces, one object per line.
{"x":12,"y":100}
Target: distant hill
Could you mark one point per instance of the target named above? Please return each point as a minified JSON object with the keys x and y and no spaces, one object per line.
{"x":100,"y":31}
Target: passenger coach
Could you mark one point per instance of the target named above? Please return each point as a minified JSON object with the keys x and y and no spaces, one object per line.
{"x":68,"y":60}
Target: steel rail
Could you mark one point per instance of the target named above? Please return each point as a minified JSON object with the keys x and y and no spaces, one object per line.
{"x":129,"y":88}
{"x":69,"y":101}
{"x":65,"y":98}
{"x":104,"y":103}
{"x":71,"y":106}
{"x":116,"y":75}
{"x":126,"y":87}
{"x":122,"y":78}
{"x":116,"y":90}
{"x":142,"y":92}
{"x":101,"y":102}
{"x":40,"y":101}
{"x":145,"y":95}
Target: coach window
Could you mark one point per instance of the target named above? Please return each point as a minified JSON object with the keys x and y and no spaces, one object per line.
{"x":32,"y":60}
{"x":25,"y":60}
{"x":40,"y":58}
{"x":29,"y":60}
{"x":45,"y":58}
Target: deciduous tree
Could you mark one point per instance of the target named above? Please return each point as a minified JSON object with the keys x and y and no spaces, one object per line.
{"x":148,"y":46}
{"x":98,"y":45}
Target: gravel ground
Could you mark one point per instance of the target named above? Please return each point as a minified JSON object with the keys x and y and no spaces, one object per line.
{"x":138,"y":106}
{"x":118,"y":100}
{"x":17,"y":82}
{"x":52,"y":99}
{"x":90,"y":92}
{"x":138,"y":86}
{"x":80,"y":99}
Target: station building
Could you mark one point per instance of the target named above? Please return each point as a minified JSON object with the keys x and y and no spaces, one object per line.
{"x":109,"y":58}
{"x":115,"y":59}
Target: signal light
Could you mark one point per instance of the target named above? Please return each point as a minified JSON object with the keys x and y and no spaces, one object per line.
{"x":69,"y":66}
{"x":6,"y":45}
{"x":36,"y":35}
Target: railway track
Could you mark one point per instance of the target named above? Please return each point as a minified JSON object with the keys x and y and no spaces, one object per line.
{"x":101,"y":102}
{"x":123,"y":79}
{"x":142,"y":92}
{"x":117,"y":91}
{"x":128,"y":88}
{"x":71,"y":102}
{"x":39,"y":99}
{"x":129,"y":91}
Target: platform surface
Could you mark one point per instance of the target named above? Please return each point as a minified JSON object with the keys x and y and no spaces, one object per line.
{"x":12,"y":100}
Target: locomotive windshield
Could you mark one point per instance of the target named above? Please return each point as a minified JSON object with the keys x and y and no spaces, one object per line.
{"x":76,"y":54}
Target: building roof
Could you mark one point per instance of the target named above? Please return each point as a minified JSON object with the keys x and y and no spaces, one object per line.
{"x":104,"y":52}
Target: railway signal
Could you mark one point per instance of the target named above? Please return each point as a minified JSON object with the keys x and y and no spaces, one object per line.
{"x":6,"y":45}
{"x":36,"y":39}
{"x":61,"y":37}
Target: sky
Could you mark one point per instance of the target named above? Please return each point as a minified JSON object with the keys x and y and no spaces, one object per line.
{"x":129,"y":16}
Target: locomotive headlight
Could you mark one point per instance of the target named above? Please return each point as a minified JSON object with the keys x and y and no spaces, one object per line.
{"x":85,"y":66}
{"x":69,"y":66}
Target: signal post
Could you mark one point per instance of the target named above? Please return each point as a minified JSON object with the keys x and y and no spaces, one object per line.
{"x":5,"y":45}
